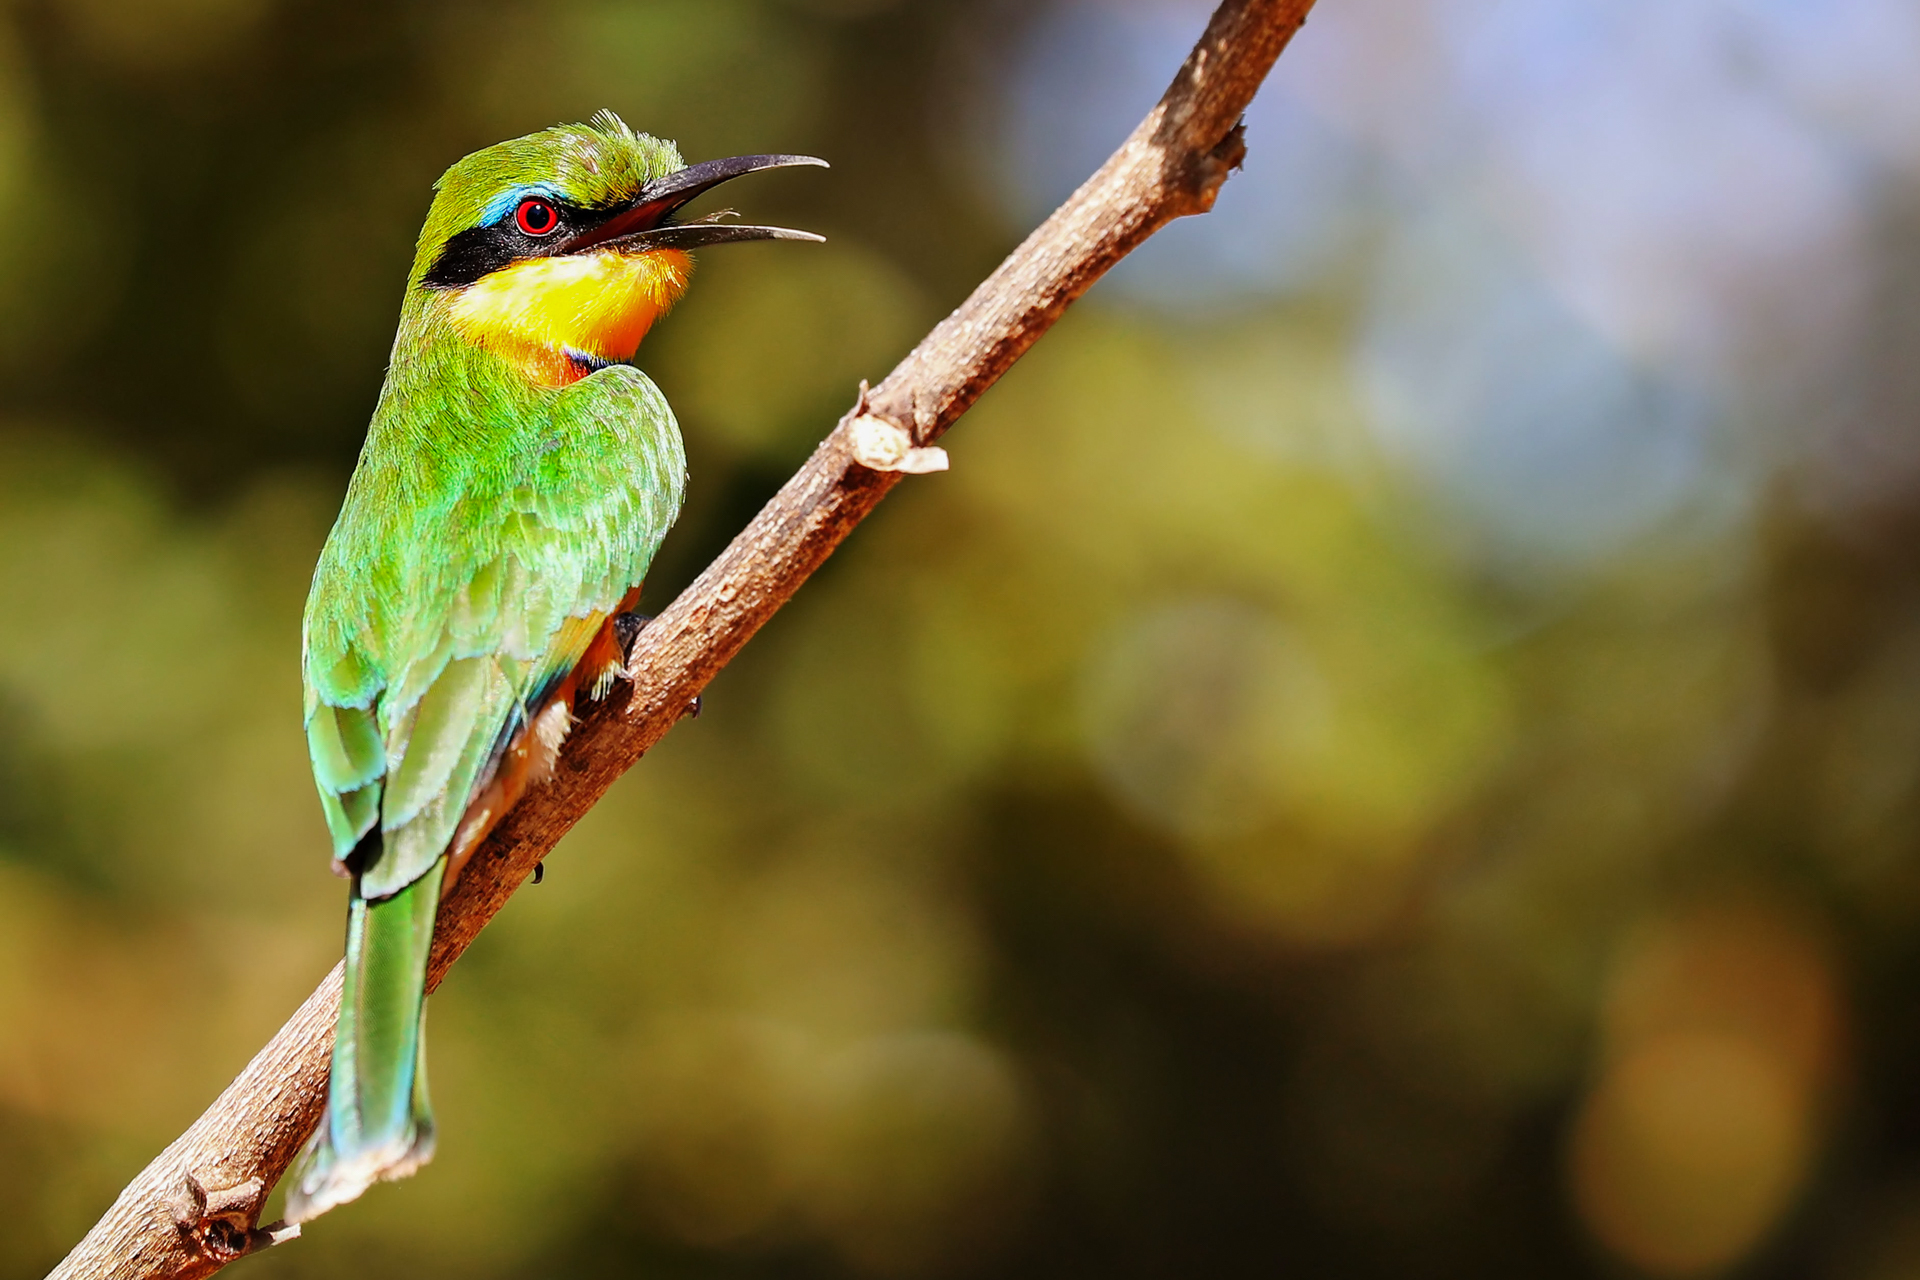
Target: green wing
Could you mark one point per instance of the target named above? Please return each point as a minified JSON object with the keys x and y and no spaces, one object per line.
{"x":438,"y":614}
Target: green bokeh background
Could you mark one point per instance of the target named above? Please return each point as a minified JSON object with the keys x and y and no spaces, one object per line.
{"x":1142,"y":851}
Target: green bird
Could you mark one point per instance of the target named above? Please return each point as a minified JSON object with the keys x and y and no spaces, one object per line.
{"x":517,"y":477}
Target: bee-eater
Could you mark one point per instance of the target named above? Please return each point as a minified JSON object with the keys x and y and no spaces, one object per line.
{"x":516,"y":479}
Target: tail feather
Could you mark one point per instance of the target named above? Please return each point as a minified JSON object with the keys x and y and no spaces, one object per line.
{"x":378,"y":1124}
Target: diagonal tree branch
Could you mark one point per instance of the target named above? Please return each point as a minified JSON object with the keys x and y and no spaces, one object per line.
{"x":194,"y":1208}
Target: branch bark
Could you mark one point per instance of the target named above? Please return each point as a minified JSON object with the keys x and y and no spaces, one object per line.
{"x":195,"y":1207}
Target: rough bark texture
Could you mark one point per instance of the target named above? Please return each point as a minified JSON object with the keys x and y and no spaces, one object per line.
{"x":196,"y":1206}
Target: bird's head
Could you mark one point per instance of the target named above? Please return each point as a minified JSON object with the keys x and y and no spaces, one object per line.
{"x":558,"y":250}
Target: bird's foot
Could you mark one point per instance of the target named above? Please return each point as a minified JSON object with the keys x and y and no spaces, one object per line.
{"x":626,"y":629}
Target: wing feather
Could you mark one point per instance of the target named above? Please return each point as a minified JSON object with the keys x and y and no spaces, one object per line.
{"x":439,"y":620}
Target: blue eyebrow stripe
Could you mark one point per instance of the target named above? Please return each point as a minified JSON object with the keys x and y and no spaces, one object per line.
{"x":502,"y":205}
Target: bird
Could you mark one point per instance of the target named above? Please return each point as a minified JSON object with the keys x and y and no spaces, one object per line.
{"x":517,"y":477}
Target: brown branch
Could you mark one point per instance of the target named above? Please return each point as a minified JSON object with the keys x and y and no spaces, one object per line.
{"x":194,"y":1208}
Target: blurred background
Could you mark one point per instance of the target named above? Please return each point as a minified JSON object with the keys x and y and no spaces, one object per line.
{"x":1394,"y":752}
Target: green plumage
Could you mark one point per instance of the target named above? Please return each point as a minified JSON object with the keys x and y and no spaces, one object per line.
{"x":478,"y":521}
{"x":378,"y":1121}
{"x":485,"y":512}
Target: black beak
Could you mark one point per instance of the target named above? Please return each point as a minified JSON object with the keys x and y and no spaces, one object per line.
{"x":640,"y":225}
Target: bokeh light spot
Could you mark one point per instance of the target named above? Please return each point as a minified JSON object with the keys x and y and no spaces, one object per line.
{"x":1688,"y":1152}
{"x":1721,"y":1032}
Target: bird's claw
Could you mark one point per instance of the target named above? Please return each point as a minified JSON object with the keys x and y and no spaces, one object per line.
{"x":626,"y":629}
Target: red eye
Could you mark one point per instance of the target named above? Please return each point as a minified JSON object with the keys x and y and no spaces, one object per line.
{"x":536,"y":217}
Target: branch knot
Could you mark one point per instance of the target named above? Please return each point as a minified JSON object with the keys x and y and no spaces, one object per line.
{"x":219,"y":1225}
{"x":879,"y":445}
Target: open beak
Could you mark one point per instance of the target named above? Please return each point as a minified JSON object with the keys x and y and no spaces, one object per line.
{"x":640,"y":226}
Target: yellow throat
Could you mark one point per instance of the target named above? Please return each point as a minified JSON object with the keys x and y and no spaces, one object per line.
{"x":544,"y":312}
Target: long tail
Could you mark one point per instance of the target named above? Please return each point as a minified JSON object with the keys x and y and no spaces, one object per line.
{"x":378,"y":1125}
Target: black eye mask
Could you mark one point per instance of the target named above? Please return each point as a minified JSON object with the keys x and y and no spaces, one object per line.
{"x":479,"y":251}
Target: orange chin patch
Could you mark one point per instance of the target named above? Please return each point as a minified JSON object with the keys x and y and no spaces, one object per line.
{"x":598,"y":304}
